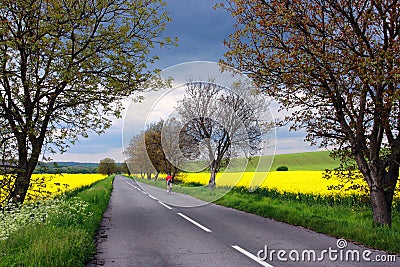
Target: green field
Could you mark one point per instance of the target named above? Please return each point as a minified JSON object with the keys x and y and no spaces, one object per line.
{"x":306,"y":161}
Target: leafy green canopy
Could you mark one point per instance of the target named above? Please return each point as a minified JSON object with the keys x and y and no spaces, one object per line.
{"x":65,"y":66}
{"x":335,"y":64}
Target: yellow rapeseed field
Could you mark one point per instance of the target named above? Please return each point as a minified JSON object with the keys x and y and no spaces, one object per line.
{"x":308,"y":182}
{"x":58,"y":183}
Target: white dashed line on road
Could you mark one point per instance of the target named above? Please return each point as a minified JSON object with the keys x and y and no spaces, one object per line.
{"x":140,"y":190}
{"x":195,"y":223}
{"x":150,"y":196}
{"x":251,"y":256}
{"x":130,"y":184}
{"x":165,"y":205}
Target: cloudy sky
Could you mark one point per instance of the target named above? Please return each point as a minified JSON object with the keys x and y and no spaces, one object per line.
{"x":201,"y":31}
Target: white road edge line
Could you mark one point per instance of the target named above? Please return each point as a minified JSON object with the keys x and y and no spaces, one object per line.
{"x":251,"y":256}
{"x":165,"y":205}
{"x":194,"y":222}
{"x":141,"y":190}
{"x":129,"y":183}
{"x":150,"y":196}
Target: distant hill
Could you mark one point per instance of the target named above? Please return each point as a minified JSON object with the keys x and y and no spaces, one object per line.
{"x":307,"y":161}
{"x":73,"y":163}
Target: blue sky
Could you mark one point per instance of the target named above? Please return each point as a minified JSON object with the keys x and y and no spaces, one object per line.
{"x":201,"y":31}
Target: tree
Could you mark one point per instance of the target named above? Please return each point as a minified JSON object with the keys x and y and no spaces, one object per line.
{"x":124,"y":168}
{"x":172,"y":144}
{"x":162,"y":146}
{"x":65,"y":66}
{"x":137,"y":157}
{"x":335,"y":64}
{"x":107,"y":166}
{"x":154,"y":148}
{"x":222,"y":121}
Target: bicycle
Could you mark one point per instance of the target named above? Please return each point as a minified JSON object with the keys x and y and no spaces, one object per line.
{"x":169,"y":187}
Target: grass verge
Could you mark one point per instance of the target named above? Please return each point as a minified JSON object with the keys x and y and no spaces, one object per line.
{"x":57,"y":232}
{"x":340,"y":217}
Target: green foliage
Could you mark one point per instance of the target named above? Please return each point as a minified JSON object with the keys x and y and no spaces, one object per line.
{"x":47,"y":246}
{"x":74,"y":168}
{"x":15,"y":217}
{"x":296,"y":53}
{"x":66,"y":67}
{"x":123,"y":168}
{"x":282,"y":168}
{"x":58,"y":232}
{"x":107,"y":166}
{"x":66,"y":167}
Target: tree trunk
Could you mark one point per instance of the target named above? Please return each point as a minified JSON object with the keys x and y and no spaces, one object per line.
{"x":381,"y":208}
{"x":381,"y":179}
{"x":211,"y":182}
{"x":21,"y":187}
{"x":149,"y":176}
{"x":381,"y":194}
{"x":26,"y":166}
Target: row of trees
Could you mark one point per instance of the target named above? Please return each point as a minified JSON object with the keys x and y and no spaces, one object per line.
{"x":146,"y":154}
{"x":212,"y":125}
{"x":65,"y":167}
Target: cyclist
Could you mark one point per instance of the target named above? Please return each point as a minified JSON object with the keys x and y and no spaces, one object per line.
{"x":169,"y":183}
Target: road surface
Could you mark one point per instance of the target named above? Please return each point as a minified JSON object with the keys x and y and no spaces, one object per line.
{"x":144,"y":226}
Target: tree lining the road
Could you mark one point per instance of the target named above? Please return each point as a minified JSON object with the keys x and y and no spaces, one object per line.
{"x":335,"y":64}
{"x":210,"y":126}
{"x":153,"y":151}
{"x":225,"y":122}
{"x":137,"y":158}
{"x":65,"y":67}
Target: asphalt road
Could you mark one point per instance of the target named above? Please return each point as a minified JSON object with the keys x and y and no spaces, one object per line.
{"x":143,"y":226}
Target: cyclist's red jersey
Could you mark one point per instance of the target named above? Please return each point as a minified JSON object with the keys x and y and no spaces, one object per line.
{"x":169,"y":178}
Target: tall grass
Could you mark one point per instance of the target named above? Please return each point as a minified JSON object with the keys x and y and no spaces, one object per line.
{"x":64,"y":234}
